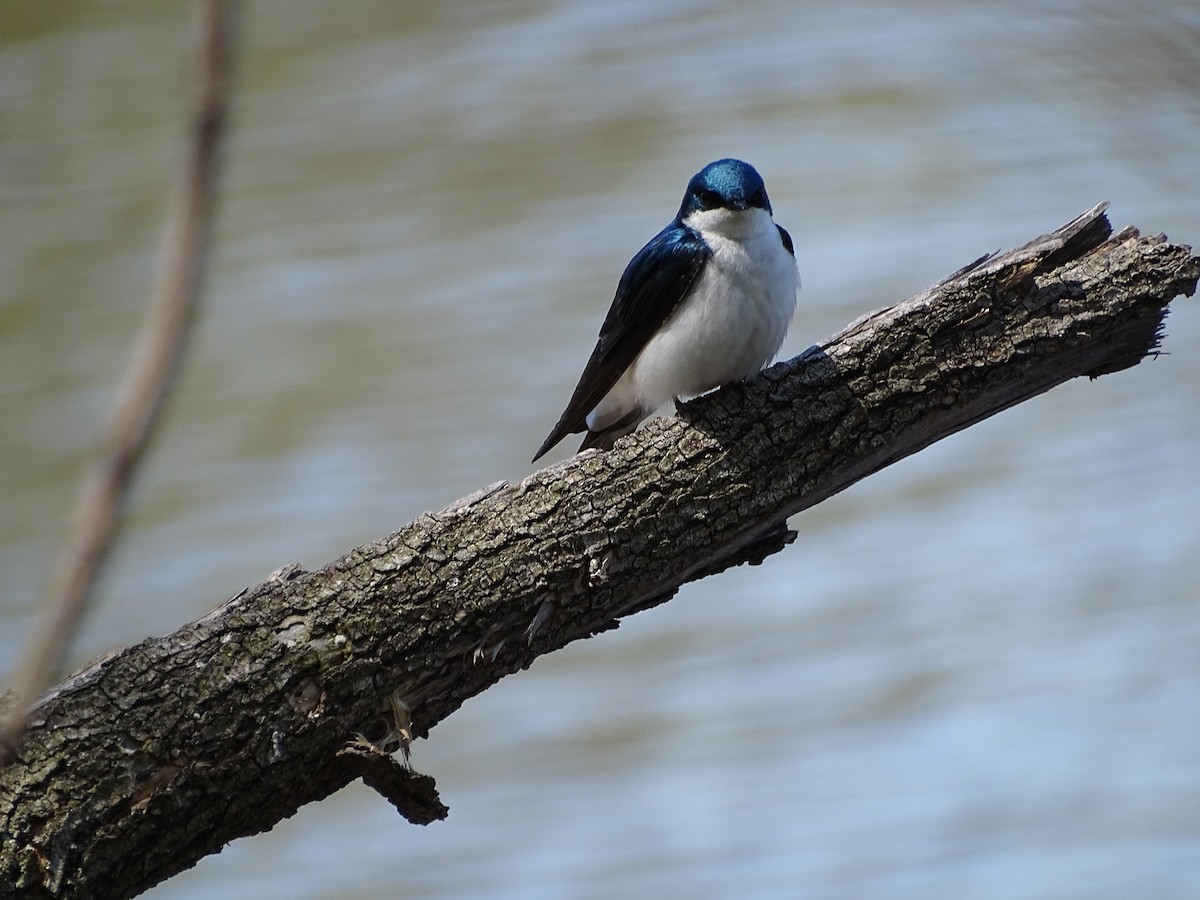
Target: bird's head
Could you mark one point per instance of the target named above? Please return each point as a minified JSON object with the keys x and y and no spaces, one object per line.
{"x":727,"y":184}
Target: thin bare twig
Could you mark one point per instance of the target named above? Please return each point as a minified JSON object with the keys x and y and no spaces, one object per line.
{"x":96,"y":517}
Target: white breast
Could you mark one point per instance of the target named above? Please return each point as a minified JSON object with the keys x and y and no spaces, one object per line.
{"x":729,"y":327}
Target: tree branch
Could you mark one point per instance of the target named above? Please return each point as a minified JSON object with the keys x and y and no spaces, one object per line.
{"x":95,"y":520}
{"x":146,"y":761}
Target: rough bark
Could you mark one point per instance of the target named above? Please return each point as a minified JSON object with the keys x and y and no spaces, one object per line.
{"x":139,"y":765}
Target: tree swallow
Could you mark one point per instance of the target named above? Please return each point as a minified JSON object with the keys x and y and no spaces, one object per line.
{"x":706,"y":302}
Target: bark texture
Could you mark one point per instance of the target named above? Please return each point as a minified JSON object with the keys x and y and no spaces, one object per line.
{"x":141,"y":764}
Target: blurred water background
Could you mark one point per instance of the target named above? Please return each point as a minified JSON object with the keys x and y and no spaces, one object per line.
{"x":974,"y":675}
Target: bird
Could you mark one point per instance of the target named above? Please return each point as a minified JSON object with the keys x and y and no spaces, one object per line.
{"x":706,"y":302}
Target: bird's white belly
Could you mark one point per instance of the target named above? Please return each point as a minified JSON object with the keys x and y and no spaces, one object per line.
{"x":729,"y":327}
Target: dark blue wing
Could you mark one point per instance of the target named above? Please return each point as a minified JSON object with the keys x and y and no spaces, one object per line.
{"x":787,"y":240}
{"x":656,"y":279}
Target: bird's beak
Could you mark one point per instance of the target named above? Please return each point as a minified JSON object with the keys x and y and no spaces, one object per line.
{"x":738,"y":203}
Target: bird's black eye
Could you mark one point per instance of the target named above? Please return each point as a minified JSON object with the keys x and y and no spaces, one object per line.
{"x":709,"y":199}
{"x":759,"y":199}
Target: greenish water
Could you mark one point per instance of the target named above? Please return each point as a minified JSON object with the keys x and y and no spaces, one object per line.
{"x":975,"y":674}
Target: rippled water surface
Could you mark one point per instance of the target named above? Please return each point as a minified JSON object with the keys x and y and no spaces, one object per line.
{"x":976,"y":674}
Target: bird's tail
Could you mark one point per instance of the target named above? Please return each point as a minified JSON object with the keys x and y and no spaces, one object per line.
{"x":606,"y":437}
{"x":596,"y":440}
